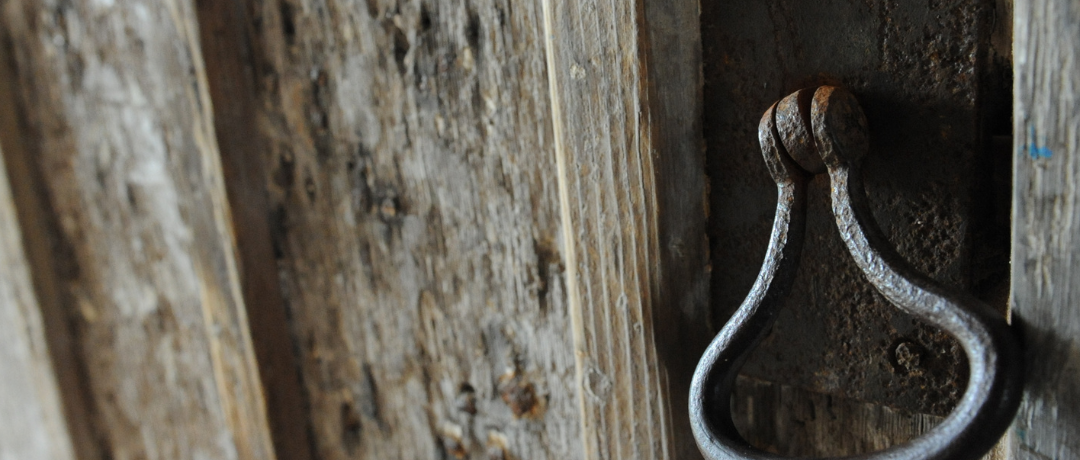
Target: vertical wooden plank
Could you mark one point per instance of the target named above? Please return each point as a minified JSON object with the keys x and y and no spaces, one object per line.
{"x":673,"y":61}
{"x":30,"y":403}
{"x":412,"y":206}
{"x":625,"y":88}
{"x":226,"y":39}
{"x":117,"y":172}
{"x":1046,"y":223}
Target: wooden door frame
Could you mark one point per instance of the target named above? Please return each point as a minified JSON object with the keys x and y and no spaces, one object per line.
{"x":626,"y":83}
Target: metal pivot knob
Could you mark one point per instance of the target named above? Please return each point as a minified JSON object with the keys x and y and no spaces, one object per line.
{"x":807,"y":133}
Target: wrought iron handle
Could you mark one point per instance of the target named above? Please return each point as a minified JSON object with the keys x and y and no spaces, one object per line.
{"x":807,"y":133}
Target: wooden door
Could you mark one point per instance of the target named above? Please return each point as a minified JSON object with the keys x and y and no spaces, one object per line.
{"x":424,"y":229}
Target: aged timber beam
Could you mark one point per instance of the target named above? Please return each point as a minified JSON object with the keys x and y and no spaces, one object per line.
{"x":109,"y":138}
{"x":405,"y":155}
{"x":1046,"y":224}
{"x":625,"y":85}
{"x":30,"y":402}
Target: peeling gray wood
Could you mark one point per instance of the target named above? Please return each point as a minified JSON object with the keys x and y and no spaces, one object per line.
{"x":1046,"y":219}
{"x":121,"y":201}
{"x":410,"y":172}
{"x":30,"y":404}
{"x":625,"y":88}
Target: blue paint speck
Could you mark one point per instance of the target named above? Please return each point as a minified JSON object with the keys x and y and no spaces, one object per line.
{"x":1034,"y":150}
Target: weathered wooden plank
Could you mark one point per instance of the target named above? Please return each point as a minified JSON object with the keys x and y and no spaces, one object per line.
{"x":34,"y":219}
{"x":672,"y":57}
{"x":1046,"y":223}
{"x":118,"y":176}
{"x":30,"y":404}
{"x":625,"y":89}
{"x":415,"y":223}
{"x":227,"y":46}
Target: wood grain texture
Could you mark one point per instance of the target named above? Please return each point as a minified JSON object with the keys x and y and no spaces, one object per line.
{"x":121,"y":201}
{"x":625,"y":88}
{"x":672,"y":57}
{"x":226,"y":39}
{"x":1046,"y":219}
{"x":30,"y":405}
{"x":413,"y":209}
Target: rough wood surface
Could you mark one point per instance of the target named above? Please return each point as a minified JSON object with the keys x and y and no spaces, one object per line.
{"x":30,"y":405}
{"x":672,"y":57}
{"x":120,"y":197}
{"x":411,"y":185}
{"x":225,"y":35}
{"x":1046,"y":219}
{"x":625,"y":89}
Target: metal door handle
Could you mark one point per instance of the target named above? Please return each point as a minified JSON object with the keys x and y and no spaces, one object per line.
{"x":807,"y":133}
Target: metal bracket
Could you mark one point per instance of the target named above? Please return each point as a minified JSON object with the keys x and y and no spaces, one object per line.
{"x":810,"y":132}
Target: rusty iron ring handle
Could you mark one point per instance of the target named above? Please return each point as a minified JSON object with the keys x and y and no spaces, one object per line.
{"x":837,"y":144}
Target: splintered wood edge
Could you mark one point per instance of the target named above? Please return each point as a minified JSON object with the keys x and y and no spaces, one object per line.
{"x":612,"y":118}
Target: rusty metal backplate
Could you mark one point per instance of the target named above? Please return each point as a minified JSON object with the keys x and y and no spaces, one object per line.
{"x":930,"y":84}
